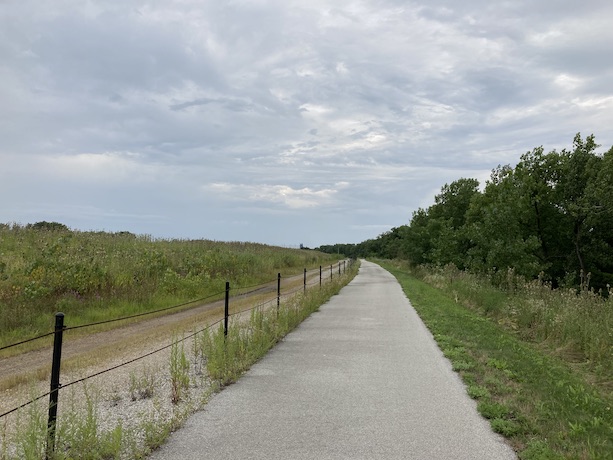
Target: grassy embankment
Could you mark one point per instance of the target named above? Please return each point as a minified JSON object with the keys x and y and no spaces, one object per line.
{"x":83,"y":434}
{"x":95,"y":276}
{"x":538,"y":361}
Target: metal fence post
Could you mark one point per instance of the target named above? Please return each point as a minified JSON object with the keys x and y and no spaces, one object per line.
{"x":226,"y":309}
{"x":55,"y":382}
{"x":339,"y":267}
{"x":320,"y":276}
{"x":330,"y":272}
{"x":278,"y":292}
{"x":305,"y":280}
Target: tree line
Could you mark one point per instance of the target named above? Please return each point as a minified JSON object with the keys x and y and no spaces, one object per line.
{"x":550,"y":216}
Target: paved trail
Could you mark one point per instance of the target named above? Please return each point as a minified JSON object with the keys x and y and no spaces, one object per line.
{"x":360,"y":379}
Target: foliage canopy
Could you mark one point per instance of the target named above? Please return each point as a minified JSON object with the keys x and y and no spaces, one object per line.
{"x":550,"y":216}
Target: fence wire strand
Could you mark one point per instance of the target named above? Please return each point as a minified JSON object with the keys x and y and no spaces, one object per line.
{"x":165,"y":347}
{"x":27,"y":340}
{"x":253,"y":286}
{"x":145,"y":313}
{"x":113,"y":320}
{"x":25,"y":404}
{"x":252,"y":308}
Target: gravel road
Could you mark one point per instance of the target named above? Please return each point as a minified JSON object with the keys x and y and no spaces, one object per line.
{"x":30,"y":362}
{"x":360,"y":379}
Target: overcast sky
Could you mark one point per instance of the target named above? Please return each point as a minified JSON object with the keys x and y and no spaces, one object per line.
{"x":283,"y":121}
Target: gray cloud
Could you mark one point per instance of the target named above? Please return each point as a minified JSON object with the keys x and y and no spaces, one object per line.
{"x":283,"y":121}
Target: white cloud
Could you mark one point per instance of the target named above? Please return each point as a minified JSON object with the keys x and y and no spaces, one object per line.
{"x":568,"y":82}
{"x":292,"y":198}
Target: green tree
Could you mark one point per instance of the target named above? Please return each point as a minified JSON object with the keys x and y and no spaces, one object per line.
{"x":451,"y":241}
{"x":418,"y":241}
{"x":454,"y":201}
{"x":599,"y":193}
{"x":537,"y":177}
{"x":580,"y":169}
{"x":496,"y":231}
{"x":586,"y":199}
{"x":437,"y":235}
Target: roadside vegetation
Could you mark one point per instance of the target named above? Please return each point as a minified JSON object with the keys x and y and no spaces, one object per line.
{"x":95,"y":276}
{"x":537,"y":361}
{"x":135,"y":419}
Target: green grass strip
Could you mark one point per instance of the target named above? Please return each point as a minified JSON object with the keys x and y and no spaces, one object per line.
{"x":542,"y":406}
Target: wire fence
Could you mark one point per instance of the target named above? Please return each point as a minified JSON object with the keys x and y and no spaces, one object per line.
{"x":148,"y":313}
{"x":60,"y":328}
{"x":114,"y":320}
{"x":248,"y":290}
{"x":27,"y":340}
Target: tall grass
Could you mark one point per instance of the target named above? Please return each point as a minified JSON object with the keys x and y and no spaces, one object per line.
{"x":577,"y":323}
{"x":79,"y":434}
{"x":179,"y":371}
{"x":93,"y":276}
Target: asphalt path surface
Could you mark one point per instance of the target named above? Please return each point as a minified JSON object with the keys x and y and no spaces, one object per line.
{"x":362,"y":378}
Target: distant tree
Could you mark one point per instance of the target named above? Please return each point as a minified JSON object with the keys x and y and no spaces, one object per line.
{"x":349,"y":250}
{"x":550,"y":214}
{"x":49,"y":226}
{"x":125,"y":234}
{"x":536,"y":177}
{"x":390,"y":245}
{"x":572,"y":202}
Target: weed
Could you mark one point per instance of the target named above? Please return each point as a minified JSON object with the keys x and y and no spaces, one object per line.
{"x":115,"y":399}
{"x":143,"y":386}
{"x":79,"y":433}
{"x":539,"y":450}
{"x":493,"y":410}
{"x":155,"y":430}
{"x":179,"y":370}
{"x":477,"y":391}
{"x":506,"y":428}
{"x":462,"y":365}
{"x":32,"y":434}
{"x":497,"y":364}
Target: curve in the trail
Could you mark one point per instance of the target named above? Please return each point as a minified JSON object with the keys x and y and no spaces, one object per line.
{"x":360,"y":379}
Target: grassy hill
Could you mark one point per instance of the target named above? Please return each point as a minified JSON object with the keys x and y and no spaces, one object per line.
{"x":93,"y":276}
